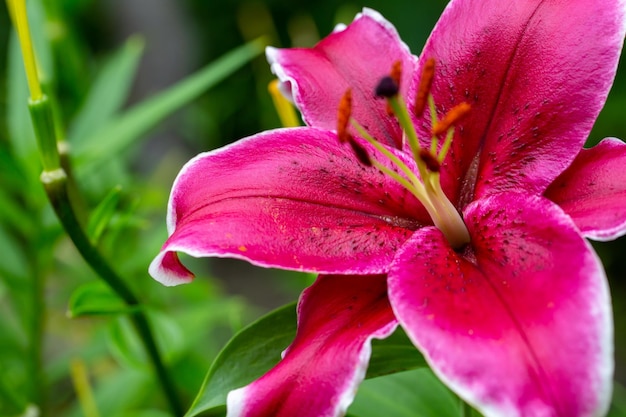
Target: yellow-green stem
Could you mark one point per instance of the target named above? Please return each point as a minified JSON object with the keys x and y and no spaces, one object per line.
{"x":17,"y":10}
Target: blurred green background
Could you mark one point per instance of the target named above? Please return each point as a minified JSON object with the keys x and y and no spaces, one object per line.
{"x":41,"y":273}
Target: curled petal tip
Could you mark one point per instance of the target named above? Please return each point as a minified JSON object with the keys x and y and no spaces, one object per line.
{"x":592,"y":189}
{"x":168,"y":270}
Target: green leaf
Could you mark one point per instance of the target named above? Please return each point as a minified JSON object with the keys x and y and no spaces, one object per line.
{"x":19,"y":125}
{"x":14,"y":262}
{"x":618,"y":404}
{"x":137,"y":121}
{"x":109,"y":91}
{"x":257,"y":348}
{"x":128,"y":349}
{"x":125,"y":345}
{"x":394,"y":354}
{"x":406,"y":394}
{"x":13,"y":214}
{"x":103,"y":213}
{"x":95,"y":298}
{"x":169,"y":335}
{"x":12,"y":399}
{"x":249,"y":354}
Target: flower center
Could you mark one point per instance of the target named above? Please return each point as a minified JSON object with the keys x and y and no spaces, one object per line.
{"x":425,"y":185}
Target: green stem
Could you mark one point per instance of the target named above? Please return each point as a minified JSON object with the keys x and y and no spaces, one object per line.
{"x":43,"y":123}
{"x":55,"y":183}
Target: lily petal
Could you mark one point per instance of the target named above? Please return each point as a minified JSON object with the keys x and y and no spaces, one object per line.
{"x":593,"y":190}
{"x":289,"y":198}
{"x":337,"y":318}
{"x":536,"y":82}
{"x":356,"y":57}
{"x":520,"y":323}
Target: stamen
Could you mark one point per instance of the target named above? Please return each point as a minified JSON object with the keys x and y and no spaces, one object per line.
{"x":433,"y":110}
{"x":426,"y":82}
{"x":396,"y":72}
{"x":404,"y":118}
{"x":431,"y":162}
{"x":343,"y":117}
{"x":360,"y":152}
{"x":396,"y":76}
{"x":446,"y":145}
{"x":427,"y":188}
{"x":452,"y":117}
{"x":416,"y":185}
{"x":387,"y":87}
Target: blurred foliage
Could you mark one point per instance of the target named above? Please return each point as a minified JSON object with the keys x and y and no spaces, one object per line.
{"x":62,"y":332}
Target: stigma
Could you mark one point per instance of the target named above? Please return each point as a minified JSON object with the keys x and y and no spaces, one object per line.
{"x":424,"y":184}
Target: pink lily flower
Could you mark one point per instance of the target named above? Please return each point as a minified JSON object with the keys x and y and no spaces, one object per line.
{"x":468,"y":234}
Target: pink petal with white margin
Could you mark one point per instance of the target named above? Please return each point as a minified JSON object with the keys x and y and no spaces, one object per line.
{"x":337,"y":318}
{"x":520,"y":323}
{"x":593,"y":190}
{"x":355,"y":57}
{"x":288,"y":198}
{"x":536,"y":73}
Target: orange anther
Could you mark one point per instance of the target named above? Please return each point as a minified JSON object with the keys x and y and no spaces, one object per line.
{"x":453,"y":116}
{"x":360,"y":152}
{"x":426,"y":82}
{"x":396,"y":72}
{"x":343,"y":116}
